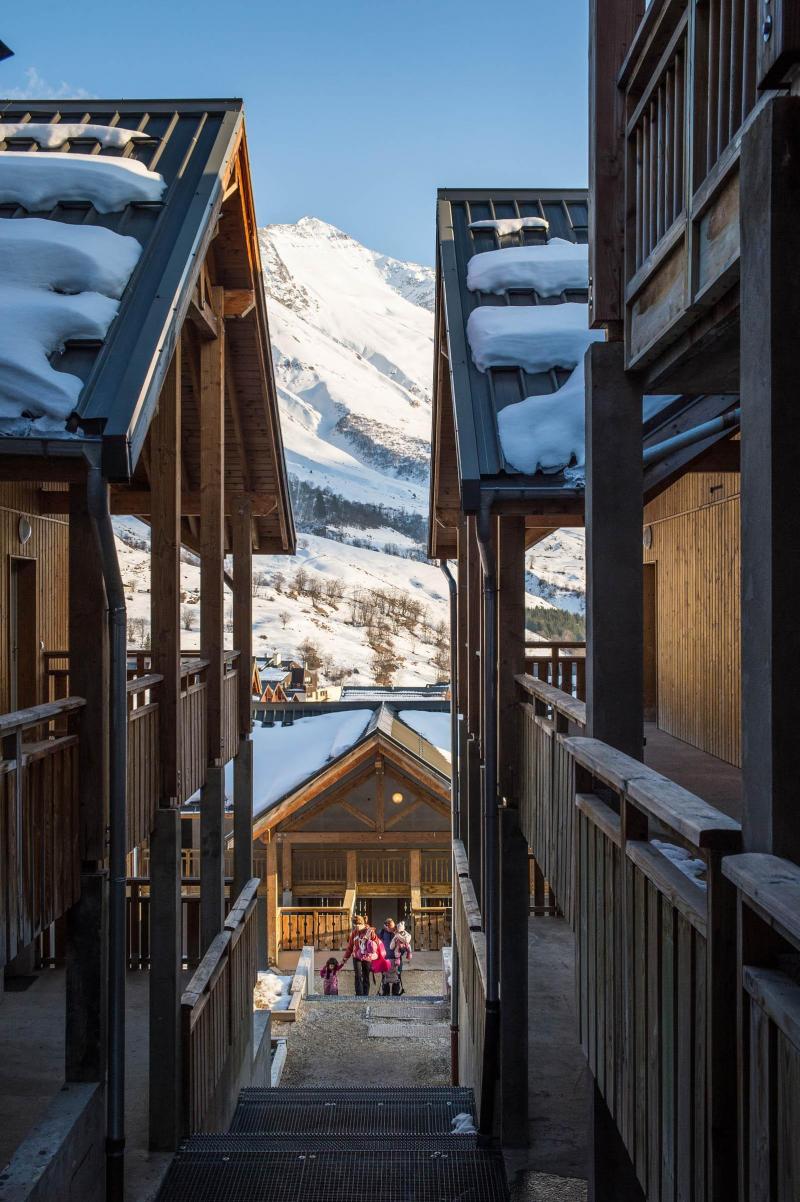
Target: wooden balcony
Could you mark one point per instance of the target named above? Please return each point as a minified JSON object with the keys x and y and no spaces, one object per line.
{"x":40,"y":844}
{"x":689,"y":86}
{"x":319,"y":927}
{"x":560,"y":664}
{"x":137,"y":924}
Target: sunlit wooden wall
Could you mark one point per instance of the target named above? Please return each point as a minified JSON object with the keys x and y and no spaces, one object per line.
{"x":695,"y":546}
{"x":49,"y":546}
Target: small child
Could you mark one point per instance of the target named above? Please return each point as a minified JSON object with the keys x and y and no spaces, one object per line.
{"x":401,"y":944}
{"x":330,"y":977}
{"x":390,"y":981}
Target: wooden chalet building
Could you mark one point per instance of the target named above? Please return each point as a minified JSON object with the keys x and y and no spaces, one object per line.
{"x":660,"y":812}
{"x":171,"y":415}
{"x":366,"y":829}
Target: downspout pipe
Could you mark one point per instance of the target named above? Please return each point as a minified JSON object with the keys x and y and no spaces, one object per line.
{"x":687,"y":438}
{"x":491,"y":899}
{"x":100,"y":513}
{"x":455,"y":811}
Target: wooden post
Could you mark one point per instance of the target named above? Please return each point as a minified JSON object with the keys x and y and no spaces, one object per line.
{"x":614,"y":639}
{"x":273,"y":915}
{"x":514,"y":879}
{"x":770,"y":310}
{"x":212,"y":614}
{"x":243,"y":641}
{"x":415,"y":877}
{"x":86,"y":920}
{"x":165,"y":841}
{"x":459,"y":753}
{"x":612,"y":25}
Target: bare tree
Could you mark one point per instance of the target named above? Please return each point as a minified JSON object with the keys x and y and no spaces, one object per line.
{"x":310,"y":655}
{"x":284,"y":617}
{"x":188,"y":617}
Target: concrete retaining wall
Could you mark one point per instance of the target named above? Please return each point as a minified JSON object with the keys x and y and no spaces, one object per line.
{"x":62,"y":1160}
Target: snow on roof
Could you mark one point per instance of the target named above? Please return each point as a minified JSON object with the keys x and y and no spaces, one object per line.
{"x":510,"y":225}
{"x":376,"y":693}
{"x":274,"y":675}
{"x":536,"y":338}
{"x":432,"y":726}
{"x":546,"y":433}
{"x":285,"y":756}
{"x":548,"y":269}
{"x":60,"y":283}
{"x":51,"y":135}
{"x":67,"y":258}
{"x":39,"y":182}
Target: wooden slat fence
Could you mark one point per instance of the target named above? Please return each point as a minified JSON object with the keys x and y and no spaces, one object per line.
{"x":230,"y":706}
{"x":471,"y":943}
{"x":138,"y":921}
{"x":40,"y":851}
{"x":436,"y":868}
{"x":382,"y":869}
{"x":654,"y":998}
{"x":143,"y":757}
{"x":560,"y":664}
{"x":318,"y":867}
{"x":317,"y":927}
{"x":431,"y":928}
{"x":217,"y":1007}
{"x":547,"y":793}
{"x":768,"y":899}
{"x":194,"y":742}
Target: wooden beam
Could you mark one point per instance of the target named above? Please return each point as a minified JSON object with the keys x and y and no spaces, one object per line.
{"x":239,"y":302}
{"x":139,"y":502}
{"x":271,"y":889}
{"x":203,"y":318}
{"x":165,"y":590}
{"x":243,"y":606}
{"x":612,"y":25}
{"x":212,"y":617}
{"x":371,"y":838}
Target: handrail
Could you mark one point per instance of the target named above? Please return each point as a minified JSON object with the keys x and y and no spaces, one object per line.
{"x":190,"y":666}
{"x":557,"y":699}
{"x":138,"y":684}
{"x":683,"y":812}
{"x":36,"y":715}
{"x":550,"y":644}
{"x":210,"y":966}
{"x":771,"y":885}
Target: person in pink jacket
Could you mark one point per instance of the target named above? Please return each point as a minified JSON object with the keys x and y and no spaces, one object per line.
{"x":363,"y":947}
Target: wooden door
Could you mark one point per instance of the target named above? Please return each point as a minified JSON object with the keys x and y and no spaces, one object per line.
{"x":650,"y":611}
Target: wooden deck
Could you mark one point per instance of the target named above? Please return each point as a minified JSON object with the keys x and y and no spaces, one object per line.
{"x":718,"y":783}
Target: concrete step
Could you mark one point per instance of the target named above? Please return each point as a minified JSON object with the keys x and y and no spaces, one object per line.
{"x":234,"y":1174}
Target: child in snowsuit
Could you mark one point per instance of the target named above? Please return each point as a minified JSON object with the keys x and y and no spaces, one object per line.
{"x":330,"y":977}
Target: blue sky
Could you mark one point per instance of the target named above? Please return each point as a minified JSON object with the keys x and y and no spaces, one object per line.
{"x":357,"y":110}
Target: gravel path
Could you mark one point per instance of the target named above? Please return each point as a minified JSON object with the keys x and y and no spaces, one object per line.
{"x":329,"y":1045}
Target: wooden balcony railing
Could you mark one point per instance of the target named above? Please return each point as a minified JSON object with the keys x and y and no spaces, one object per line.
{"x":560,"y":664}
{"x":40,"y":852}
{"x":435,"y":868}
{"x":194,"y":736}
{"x":431,"y":928}
{"x":138,"y":920}
{"x":547,"y":800}
{"x":768,"y":1023}
{"x":318,"y":867}
{"x":216,"y":1012}
{"x":143,"y":757}
{"x":655,"y":950}
{"x":382,"y":870}
{"x":319,"y":927}
{"x":471,"y":943}
{"x":689,"y":84}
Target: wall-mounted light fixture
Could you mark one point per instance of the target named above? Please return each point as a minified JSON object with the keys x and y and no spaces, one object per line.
{"x":397,"y":798}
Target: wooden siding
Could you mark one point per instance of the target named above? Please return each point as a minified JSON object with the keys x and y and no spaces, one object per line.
{"x":49,"y":546}
{"x":695,"y":546}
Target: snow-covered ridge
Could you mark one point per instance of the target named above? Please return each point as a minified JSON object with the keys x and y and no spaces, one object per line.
{"x":38,"y":182}
{"x":534,"y":337}
{"x":52,"y":135}
{"x":549,"y":269}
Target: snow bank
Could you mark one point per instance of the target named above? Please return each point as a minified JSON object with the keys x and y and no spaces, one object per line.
{"x":60,"y":282}
{"x":35,"y":323}
{"x":549,"y":269}
{"x":40,"y":181}
{"x":546,"y":433}
{"x":534,"y":337}
{"x":51,"y":136}
{"x":511,"y":225}
{"x":272,"y":992}
{"x":431,"y":725}
{"x":695,"y":869}
{"x":66,"y":258}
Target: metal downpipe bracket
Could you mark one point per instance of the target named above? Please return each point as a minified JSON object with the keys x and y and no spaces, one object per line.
{"x":97,"y":501}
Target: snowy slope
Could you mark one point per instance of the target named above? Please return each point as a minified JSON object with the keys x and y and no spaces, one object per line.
{"x":352,"y":336}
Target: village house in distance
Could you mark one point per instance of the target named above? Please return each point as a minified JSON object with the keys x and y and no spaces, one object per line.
{"x":128,"y":233}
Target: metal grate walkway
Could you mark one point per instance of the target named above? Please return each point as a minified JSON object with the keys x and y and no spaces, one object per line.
{"x":319,"y":1145}
{"x":234,"y":1175}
